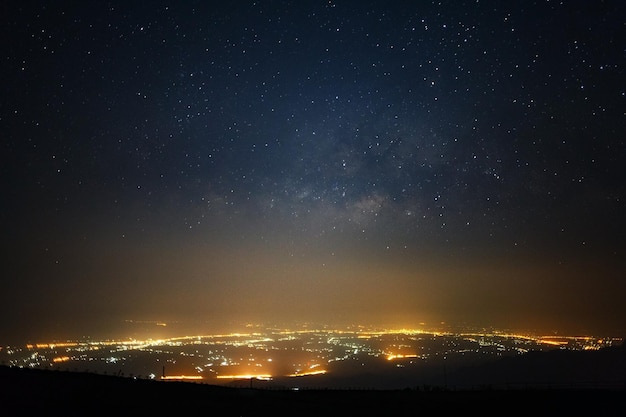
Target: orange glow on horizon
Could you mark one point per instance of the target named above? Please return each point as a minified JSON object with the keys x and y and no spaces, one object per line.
{"x":181,"y":377}
{"x":51,"y":345}
{"x":392,"y":357}
{"x":264,"y":377}
{"x":552,"y":342}
{"x":320,"y":372}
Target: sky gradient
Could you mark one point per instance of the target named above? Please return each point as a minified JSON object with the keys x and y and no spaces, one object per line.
{"x":386,"y":162}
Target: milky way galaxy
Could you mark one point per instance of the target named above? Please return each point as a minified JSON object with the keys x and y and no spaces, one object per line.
{"x":380,"y":162}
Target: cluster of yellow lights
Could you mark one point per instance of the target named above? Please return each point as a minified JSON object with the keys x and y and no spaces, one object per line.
{"x":264,"y":377}
{"x":320,"y":372}
{"x":52,"y":345}
{"x":61,"y":359}
{"x":181,"y":377}
{"x":553,"y":342}
{"x":392,"y":357}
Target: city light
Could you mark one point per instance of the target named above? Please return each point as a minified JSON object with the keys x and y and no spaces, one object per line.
{"x":278,"y":355}
{"x":181,"y":378}
{"x":263,"y":377}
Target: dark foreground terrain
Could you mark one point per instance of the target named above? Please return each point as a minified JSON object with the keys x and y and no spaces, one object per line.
{"x":30,"y":392}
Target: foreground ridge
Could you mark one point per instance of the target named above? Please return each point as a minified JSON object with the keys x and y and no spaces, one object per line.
{"x":31,"y":391}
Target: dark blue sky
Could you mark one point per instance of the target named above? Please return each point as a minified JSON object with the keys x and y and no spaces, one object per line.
{"x":390,"y":161}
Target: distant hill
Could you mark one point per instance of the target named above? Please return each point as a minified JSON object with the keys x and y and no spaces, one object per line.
{"x":581,"y":382}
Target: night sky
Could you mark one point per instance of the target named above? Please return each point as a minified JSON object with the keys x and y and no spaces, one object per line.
{"x":390,"y":162}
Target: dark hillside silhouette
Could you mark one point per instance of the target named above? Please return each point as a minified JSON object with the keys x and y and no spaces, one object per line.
{"x":559,"y":368}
